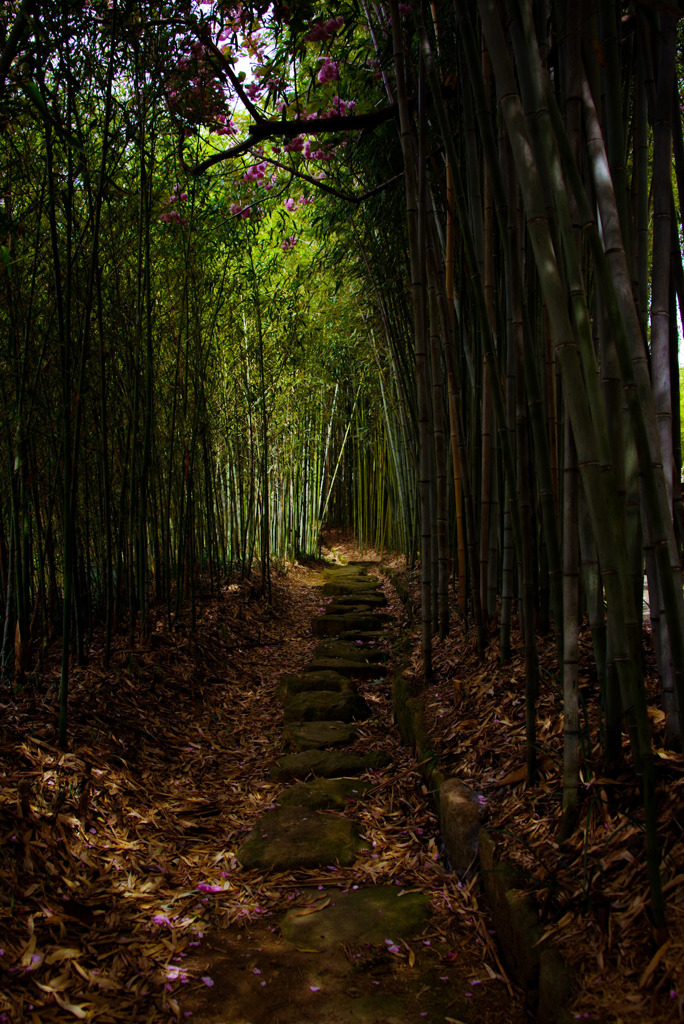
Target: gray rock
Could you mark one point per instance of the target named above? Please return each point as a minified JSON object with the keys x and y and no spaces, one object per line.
{"x":459,"y":814}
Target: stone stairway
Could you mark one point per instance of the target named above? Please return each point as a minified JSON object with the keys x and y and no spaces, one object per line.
{"x":306,"y":828}
{"x":346,"y":951}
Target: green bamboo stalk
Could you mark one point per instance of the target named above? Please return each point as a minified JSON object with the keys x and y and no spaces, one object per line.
{"x":589,"y":432}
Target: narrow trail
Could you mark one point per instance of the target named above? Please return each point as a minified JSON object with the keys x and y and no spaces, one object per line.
{"x":163,"y":870}
{"x":355,"y":918}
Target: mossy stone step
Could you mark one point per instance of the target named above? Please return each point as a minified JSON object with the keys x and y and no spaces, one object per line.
{"x":287,"y":838}
{"x":371,"y":915}
{"x":365,"y":585}
{"x":337,"y":572}
{"x":327,"y":764}
{"x":326,"y":706}
{"x":366,"y":636}
{"x":333,"y":625}
{"x":318,"y":735}
{"x":327,"y":680}
{"x":375,"y":598}
{"x":348,"y":609}
{"x":351,"y":669}
{"x":348,"y":650}
{"x":325,"y":793}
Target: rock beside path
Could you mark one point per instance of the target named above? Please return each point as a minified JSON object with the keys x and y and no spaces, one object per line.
{"x":297,"y":837}
{"x":372,"y":915}
{"x":327,"y":764}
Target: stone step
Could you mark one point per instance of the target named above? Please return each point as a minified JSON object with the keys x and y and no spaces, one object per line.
{"x":326,"y":706}
{"x":325,"y":793}
{"x":349,"y":650}
{"x":360,"y":916}
{"x":327,"y":680}
{"x":319,"y":735}
{"x":366,"y":636}
{"x":349,"y":588}
{"x":348,"y":609}
{"x":333,"y":625}
{"x":327,"y":764}
{"x":287,"y":838}
{"x":374,"y":598}
{"x":351,"y":669}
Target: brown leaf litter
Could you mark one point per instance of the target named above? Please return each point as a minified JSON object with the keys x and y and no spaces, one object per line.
{"x":592,"y":889}
{"x":117,"y":857}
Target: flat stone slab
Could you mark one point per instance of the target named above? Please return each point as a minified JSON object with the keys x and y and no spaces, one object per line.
{"x":351,"y":669}
{"x":348,"y":650}
{"x":319,"y":735}
{"x":350,"y":587}
{"x":333,"y":625}
{"x":355,"y":608}
{"x":325,"y":793}
{"x":375,"y":598}
{"x":326,"y":706}
{"x":297,"y":837}
{"x":370,"y":915}
{"x":337,"y":571}
{"x":366,"y":636}
{"x":327,"y":680}
{"x":327,"y":764}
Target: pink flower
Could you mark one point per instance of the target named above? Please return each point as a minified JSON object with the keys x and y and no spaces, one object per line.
{"x":207,"y":981}
{"x":295,"y":145}
{"x":289,"y":204}
{"x":162,"y":919}
{"x":329,"y":71}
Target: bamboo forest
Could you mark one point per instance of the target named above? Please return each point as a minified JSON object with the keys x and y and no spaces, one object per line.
{"x":341,"y":528}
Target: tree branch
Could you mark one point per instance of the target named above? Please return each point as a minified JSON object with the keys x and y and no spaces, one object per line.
{"x":268,"y":129}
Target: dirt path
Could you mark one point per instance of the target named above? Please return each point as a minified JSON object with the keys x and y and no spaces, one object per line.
{"x":324,"y":953}
{"x":122,"y":898}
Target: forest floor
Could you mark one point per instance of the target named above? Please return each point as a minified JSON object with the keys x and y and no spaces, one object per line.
{"x":591,"y":889}
{"x":121,"y":898}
